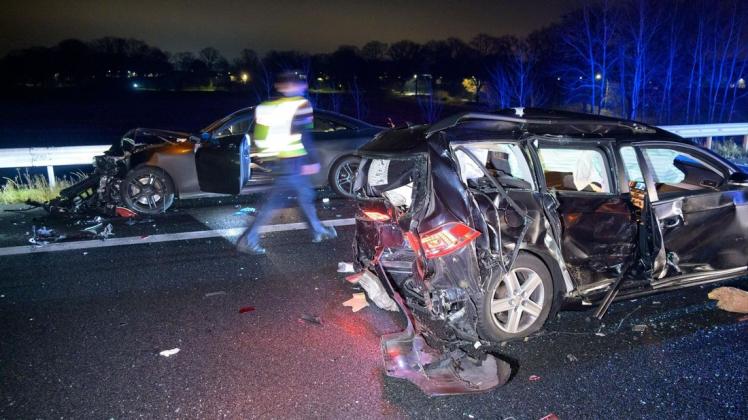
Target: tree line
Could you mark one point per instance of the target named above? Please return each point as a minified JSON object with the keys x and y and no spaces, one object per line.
{"x":669,"y":61}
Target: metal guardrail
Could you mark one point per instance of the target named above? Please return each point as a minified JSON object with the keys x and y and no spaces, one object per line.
{"x":50,"y":157}
{"x":83,"y":155}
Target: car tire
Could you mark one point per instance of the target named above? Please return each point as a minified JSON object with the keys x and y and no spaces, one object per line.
{"x":509,"y":312}
{"x":343,"y":175}
{"x":147,"y":190}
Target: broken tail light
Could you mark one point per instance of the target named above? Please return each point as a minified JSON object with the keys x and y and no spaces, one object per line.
{"x":376,"y":216}
{"x":444,"y":239}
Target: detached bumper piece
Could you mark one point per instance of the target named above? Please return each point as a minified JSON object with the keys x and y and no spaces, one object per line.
{"x":407,"y":356}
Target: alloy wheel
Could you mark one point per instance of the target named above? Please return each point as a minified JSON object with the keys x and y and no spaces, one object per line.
{"x":518,"y":300}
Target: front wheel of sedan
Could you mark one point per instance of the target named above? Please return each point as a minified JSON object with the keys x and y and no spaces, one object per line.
{"x":516,"y":304}
{"x":343,"y":175}
{"x":148,"y":190}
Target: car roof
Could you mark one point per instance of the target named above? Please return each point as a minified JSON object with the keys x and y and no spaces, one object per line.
{"x":515,"y":123}
{"x":546,"y":122}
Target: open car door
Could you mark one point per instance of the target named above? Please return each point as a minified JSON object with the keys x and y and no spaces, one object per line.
{"x":223,"y":157}
{"x":702,"y":218}
{"x":598,"y":227}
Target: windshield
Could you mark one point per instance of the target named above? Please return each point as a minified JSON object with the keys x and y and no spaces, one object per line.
{"x":220,"y":122}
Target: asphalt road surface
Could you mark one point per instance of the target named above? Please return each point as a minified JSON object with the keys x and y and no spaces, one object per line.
{"x":82,"y":330}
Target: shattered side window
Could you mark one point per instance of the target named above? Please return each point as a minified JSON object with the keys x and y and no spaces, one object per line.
{"x":392,"y":179}
{"x":676,"y":172}
{"x":506,"y":162}
{"x":633,"y":171}
{"x":575,"y":169}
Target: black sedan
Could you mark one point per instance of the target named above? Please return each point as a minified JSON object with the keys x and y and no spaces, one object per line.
{"x":148,"y":168}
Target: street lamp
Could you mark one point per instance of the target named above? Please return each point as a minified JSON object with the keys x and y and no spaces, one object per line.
{"x":245,"y":77}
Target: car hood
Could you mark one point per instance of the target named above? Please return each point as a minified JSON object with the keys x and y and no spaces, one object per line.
{"x":138,"y":138}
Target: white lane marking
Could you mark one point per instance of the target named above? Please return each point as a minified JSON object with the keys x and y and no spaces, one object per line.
{"x":164,"y":237}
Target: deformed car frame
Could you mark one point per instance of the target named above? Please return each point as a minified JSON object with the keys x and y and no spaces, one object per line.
{"x":485,"y":225}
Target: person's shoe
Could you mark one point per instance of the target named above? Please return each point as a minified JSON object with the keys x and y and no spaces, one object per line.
{"x":329,"y":232}
{"x":255,"y":249}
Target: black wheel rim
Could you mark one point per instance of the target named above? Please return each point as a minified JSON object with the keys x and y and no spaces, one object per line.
{"x":146,"y":192}
{"x":346,"y":177}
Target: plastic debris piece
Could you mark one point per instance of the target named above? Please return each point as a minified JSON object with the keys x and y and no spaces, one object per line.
{"x":245,"y":309}
{"x":43,"y":231}
{"x":325,"y":200}
{"x":376,"y":292}
{"x":730,"y":299}
{"x":572,"y":358}
{"x":599,"y":334}
{"x":477,"y":345}
{"x":550,"y":416}
{"x":534,"y":378}
{"x":167,"y":353}
{"x":312,"y":319}
{"x":124,"y":212}
{"x":357,"y":302}
{"x":107,"y":232}
{"x":211,"y":294}
{"x":245,"y":211}
{"x":345,"y":267}
{"x":639,"y":328}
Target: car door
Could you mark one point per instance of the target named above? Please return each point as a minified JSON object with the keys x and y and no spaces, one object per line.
{"x":598,"y":227}
{"x":702,"y":217}
{"x":223,"y":157}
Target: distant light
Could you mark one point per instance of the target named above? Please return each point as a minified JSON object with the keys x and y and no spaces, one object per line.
{"x":598,"y":76}
{"x":245,"y":77}
{"x":135,"y":85}
{"x":319,"y":79}
{"x":558,"y":78}
{"x":741,"y":83}
{"x":415,"y":76}
{"x":580,"y":77}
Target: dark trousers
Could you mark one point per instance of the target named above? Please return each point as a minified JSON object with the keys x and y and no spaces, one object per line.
{"x":288,"y":182}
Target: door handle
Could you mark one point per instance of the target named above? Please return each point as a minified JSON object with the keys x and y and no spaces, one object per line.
{"x":672,"y":222}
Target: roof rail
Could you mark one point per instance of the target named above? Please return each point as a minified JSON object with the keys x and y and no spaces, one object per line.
{"x":459,"y":118}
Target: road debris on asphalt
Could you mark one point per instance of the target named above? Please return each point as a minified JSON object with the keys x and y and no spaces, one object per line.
{"x":730,"y":299}
{"x":218,"y":293}
{"x":245,"y":309}
{"x":357,"y":302}
{"x":311,"y":319}
{"x":374,"y":289}
{"x":534,"y":378}
{"x":124,"y":212}
{"x":639,"y":328}
{"x":345,"y":267}
{"x":167,"y":353}
{"x":245,"y":211}
{"x":571,"y":358}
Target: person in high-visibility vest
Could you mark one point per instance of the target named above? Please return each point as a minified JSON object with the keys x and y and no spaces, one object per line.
{"x":282,"y":136}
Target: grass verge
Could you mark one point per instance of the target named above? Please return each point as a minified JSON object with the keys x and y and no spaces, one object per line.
{"x":24,"y":187}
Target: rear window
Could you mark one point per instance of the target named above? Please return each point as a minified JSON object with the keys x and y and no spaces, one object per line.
{"x":392,"y":179}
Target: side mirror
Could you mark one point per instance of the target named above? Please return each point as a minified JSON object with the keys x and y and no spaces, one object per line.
{"x":738,"y":178}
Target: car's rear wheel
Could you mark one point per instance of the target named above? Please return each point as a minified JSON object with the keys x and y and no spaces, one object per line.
{"x":148,"y":190}
{"x":516,"y":304}
{"x":343,"y":175}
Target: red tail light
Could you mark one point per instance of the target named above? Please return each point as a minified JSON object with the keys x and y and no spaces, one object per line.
{"x":446,"y":239}
{"x":376,"y":216}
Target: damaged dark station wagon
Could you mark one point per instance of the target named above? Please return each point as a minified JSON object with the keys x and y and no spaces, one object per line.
{"x":485,"y":225}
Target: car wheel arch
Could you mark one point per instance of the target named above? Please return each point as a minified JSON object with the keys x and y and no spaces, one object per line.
{"x":147,"y":164}
{"x":559,"y":286}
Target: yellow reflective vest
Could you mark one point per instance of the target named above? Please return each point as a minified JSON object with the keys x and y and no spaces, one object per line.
{"x":274,"y":127}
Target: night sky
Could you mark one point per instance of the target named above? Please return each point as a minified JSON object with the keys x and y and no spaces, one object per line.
{"x":230,"y":25}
